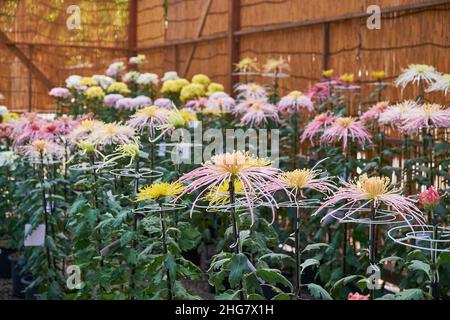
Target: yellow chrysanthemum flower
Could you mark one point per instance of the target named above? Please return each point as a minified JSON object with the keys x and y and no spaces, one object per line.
{"x":118,"y":87}
{"x":87,"y":147}
{"x":348,"y":77}
{"x":88,"y":82}
{"x":188,"y":115}
{"x":378,"y":75}
{"x":201,"y":79}
{"x":247,"y":65}
{"x":94,"y":93}
{"x":275,"y":66}
{"x":220,"y":196}
{"x":176,"y":118}
{"x":10,"y":116}
{"x":173,"y":86}
{"x":328,"y":73}
{"x":192,"y":91}
{"x":215,"y":87}
{"x":158,"y":191}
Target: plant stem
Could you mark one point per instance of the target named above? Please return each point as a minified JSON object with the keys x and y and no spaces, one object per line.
{"x":373,"y":247}
{"x":434,"y":270}
{"x":94,"y":194}
{"x":235,"y":229}
{"x":135,"y":227}
{"x":165,"y":251}
{"x":298,"y":276}
{"x":44,"y":205}
{"x":294,"y":142}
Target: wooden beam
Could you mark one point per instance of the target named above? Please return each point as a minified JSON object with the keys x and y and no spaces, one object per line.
{"x":198,"y":33}
{"x":234,"y":21}
{"x":350,"y":16}
{"x":25,"y":60}
{"x":326,"y":46}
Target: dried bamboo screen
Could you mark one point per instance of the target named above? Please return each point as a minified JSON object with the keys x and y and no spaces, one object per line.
{"x":164,"y":34}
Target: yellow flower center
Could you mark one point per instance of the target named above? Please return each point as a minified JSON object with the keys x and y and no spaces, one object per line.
{"x":422,"y":68}
{"x":110,"y":129}
{"x":345,"y":122}
{"x":373,"y":187}
{"x":237,"y":161}
{"x":297,"y":179}
{"x":149,"y":112}
{"x":39,"y":145}
{"x":296,"y":94}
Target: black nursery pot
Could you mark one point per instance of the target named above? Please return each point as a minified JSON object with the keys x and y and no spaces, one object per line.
{"x":30,"y":294}
{"x":5,"y":265}
{"x":16,"y":268}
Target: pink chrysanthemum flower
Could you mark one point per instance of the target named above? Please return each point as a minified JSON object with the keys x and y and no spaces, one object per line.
{"x":253,"y":173}
{"x":303,"y":179}
{"x":112,"y":133}
{"x":163,"y":103}
{"x":320,"y":122}
{"x":196,"y":104}
{"x":394,"y":115}
{"x":344,"y":129}
{"x":110,"y":100}
{"x":294,"y":102}
{"x":357,"y":296}
{"x":319,"y":91}
{"x":61,"y":93}
{"x":373,"y":192}
{"x":83,"y":130}
{"x":258,"y":113}
{"x":251,"y":90}
{"x":430,"y":198}
{"x":65,"y":125}
{"x":426,"y":116}
{"x":244,"y":105}
{"x":44,"y":148}
{"x":374,"y":113}
{"x":149,"y":118}
{"x":220,"y":103}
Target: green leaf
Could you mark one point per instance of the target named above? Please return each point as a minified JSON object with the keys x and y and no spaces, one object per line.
{"x":344,"y":281}
{"x":309,"y":263}
{"x":315,"y":246}
{"x":318,"y":292}
{"x":171,"y":265}
{"x":238,"y":265}
{"x":229,"y":295}
{"x":410,"y":294}
{"x":417,"y":265}
{"x":126,"y":238}
{"x":282,"y":296}
{"x":273,"y":276}
{"x":255,"y":296}
{"x":389,"y":259}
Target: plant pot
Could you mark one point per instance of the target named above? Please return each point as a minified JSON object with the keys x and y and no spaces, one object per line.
{"x":30,"y":294}
{"x":16,"y":268}
{"x":5,"y":265}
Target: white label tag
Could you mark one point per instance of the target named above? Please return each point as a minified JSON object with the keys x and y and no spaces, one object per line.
{"x":162,"y":149}
{"x":36,"y":238}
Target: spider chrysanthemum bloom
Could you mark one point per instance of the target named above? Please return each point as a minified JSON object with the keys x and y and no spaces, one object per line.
{"x":251,"y":90}
{"x":371,"y":192}
{"x":252,"y":172}
{"x":43,"y":148}
{"x":275,"y":66}
{"x":247,"y":65}
{"x":294,"y":102}
{"x":426,"y":116}
{"x":219,"y":103}
{"x":374,"y":113}
{"x":394,"y":115}
{"x":259,"y":113}
{"x":83,"y":130}
{"x":442,"y":84}
{"x":416,"y":74}
{"x":158,"y":191}
{"x":149,"y":118}
{"x":344,"y":129}
{"x":112,"y":133}
{"x":302,"y":179}
{"x":317,"y":125}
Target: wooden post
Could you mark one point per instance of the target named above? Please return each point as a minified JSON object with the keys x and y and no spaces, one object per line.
{"x":198,"y":33}
{"x":132,"y":27}
{"x":326,"y":46}
{"x":176,"y":60}
{"x":30,"y":78}
{"x":234,"y":21}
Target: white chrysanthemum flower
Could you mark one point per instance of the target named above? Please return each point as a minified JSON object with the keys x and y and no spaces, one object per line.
{"x":170,"y":75}
{"x":442,"y":84}
{"x":3,"y":111}
{"x":148,"y":78}
{"x":112,"y":133}
{"x":73,"y":82}
{"x":131,"y":76}
{"x":394,"y":115}
{"x":7,"y":158}
{"x":417,"y":73}
{"x":103,"y":81}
